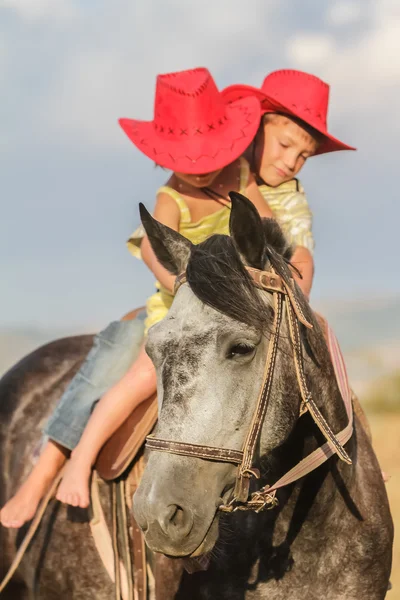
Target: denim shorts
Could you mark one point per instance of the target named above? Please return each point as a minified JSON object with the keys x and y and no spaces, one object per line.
{"x":113,"y":352}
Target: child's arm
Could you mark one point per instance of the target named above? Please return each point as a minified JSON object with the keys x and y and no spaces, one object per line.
{"x":299,"y":224}
{"x":167,"y":212}
{"x":302,"y":257}
{"x":303,"y":260}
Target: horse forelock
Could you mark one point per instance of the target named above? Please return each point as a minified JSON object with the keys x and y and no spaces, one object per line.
{"x":218,"y":277}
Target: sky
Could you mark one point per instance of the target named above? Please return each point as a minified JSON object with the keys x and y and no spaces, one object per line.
{"x":70,"y":180}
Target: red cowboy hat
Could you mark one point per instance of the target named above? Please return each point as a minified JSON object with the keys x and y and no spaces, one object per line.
{"x":296,"y":94}
{"x":194,"y":130}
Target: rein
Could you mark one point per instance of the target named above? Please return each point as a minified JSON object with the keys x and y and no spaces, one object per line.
{"x":283,"y":299}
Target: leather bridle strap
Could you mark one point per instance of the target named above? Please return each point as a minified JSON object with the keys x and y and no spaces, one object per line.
{"x":305,"y":394}
{"x":265,"y":497}
{"x":246,"y":471}
{"x":194,"y":450}
{"x":272,"y":282}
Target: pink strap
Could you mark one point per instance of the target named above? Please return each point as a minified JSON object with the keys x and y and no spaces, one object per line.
{"x":319,"y":456}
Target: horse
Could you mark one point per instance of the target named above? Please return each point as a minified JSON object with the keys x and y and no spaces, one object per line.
{"x":330,"y":533}
{"x":209,"y":356}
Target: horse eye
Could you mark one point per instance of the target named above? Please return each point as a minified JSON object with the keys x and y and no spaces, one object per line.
{"x":240,"y":350}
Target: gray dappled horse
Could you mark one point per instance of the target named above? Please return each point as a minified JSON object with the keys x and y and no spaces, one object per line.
{"x":331,"y":534}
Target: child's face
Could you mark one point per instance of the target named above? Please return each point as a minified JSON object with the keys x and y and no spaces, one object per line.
{"x":283,"y":149}
{"x":199,"y":181}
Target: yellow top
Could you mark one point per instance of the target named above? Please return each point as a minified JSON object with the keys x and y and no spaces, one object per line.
{"x":289,"y":205}
{"x":218,"y":222}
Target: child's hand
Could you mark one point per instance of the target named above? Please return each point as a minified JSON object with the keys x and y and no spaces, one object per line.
{"x":302,"y":259}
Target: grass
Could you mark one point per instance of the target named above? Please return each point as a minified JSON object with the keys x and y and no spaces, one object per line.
{"x":382,"y":404}
{"x":386,"y":442}
{"x":384,"y":395}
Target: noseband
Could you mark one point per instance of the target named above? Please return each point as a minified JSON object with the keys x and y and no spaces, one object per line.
{"x":283,"y":298}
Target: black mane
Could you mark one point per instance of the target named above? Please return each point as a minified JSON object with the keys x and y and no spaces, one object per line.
{"x":218,"y":277}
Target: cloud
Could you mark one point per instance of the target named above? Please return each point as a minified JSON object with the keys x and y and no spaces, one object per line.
{"x":310,"y":50}
{"x":344,"y":13}
{"x":112,"y":70}
{"x":39,"y":10}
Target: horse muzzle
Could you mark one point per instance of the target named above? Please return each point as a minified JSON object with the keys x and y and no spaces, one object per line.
{"x":176,"y":507}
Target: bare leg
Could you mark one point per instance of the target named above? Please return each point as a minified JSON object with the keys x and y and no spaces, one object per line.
{"x":114,"y":407}
{"x":22,"y":507}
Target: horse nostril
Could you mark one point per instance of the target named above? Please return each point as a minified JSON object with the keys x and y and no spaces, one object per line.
{"x":177,"y":522}
{"x":177,"y":517}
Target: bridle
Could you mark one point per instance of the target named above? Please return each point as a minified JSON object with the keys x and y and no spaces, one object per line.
{"x":283,"y":298}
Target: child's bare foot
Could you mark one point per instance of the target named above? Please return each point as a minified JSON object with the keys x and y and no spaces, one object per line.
{"x":74,"y":486}
{"x":22,"y":507}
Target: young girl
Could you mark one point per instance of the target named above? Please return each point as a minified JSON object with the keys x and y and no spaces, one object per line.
{"x":198,"y":136}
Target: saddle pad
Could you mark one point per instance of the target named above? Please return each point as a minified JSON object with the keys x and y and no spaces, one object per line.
{"x":120,"y":450}
{"x":337,"y":361}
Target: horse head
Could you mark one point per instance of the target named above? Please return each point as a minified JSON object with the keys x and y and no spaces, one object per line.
{"x":210,"y":353}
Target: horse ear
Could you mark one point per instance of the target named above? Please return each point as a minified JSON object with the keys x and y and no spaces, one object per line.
{"x":170,"y":247}
{"x":247,"y":230}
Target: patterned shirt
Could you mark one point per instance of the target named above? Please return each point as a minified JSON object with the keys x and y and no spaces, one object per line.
{"x":290,"y":208}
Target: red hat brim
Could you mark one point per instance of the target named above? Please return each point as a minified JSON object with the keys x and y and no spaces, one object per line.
{"x":209,"y":151}
{"x":233,"y":93}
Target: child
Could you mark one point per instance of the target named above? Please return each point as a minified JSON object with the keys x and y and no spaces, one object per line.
{"x":198,"y":136}
{"x":293,"y":128}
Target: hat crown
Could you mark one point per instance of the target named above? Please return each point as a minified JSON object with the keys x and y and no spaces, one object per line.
{"x":303,"y":93}
{"x":187,"y":103}
{"x":194,"y":130}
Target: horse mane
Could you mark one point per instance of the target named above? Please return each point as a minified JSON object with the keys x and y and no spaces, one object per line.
{"x":218,"y":277}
